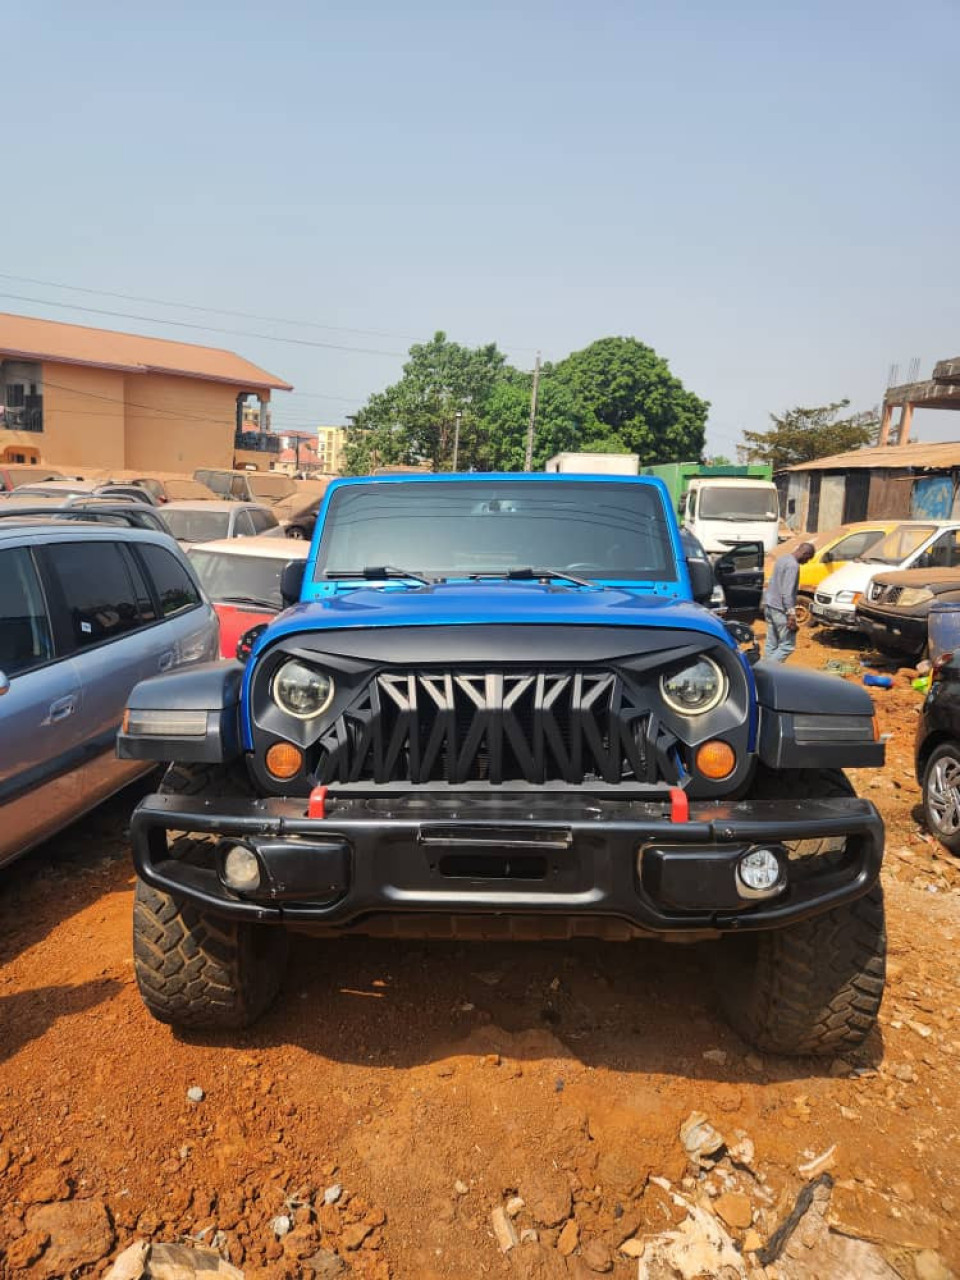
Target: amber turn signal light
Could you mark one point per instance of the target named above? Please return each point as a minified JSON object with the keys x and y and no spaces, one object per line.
{"x":284,"y":760}
{"x":716,"y":760}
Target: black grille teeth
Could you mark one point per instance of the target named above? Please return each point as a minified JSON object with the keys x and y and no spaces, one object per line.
{"x":494,"y":726}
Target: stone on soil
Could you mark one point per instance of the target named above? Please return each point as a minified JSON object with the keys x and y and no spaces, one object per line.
{"x":80,"y":1235}
{"x":504,"y":1230}
{"x":734,"y":1209}
{"x":132,"y":1263}
{"x":547,"y":1196}
{"x":325,"y":1265}
{"x":569,"y":1238}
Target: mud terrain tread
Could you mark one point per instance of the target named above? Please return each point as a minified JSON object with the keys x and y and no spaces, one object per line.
{"x":815,"y":987}
{"x":195,"y":969}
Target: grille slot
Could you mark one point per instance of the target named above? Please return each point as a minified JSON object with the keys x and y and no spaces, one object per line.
{"x":490,"y":726}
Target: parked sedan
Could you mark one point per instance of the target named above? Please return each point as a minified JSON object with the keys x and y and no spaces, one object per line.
{"x":894,"y":610}
{"x":242,"y":578}
{"x":207,"y":521}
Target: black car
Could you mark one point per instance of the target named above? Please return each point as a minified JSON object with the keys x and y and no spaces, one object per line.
{"x":894,"y":610}
{"x":938,"y":752}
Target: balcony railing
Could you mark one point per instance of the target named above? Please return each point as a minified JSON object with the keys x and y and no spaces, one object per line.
{"x":258,"y":441}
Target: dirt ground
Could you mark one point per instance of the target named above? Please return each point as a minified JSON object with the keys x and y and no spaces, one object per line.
{"x":435,"y":1084}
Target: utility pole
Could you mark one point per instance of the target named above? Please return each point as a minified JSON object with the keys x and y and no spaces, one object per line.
{"x":457,"y":417}
{"x":528,"y":461}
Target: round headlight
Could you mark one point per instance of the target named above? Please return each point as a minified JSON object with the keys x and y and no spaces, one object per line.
{"x":302,"y":691}
{"x":694,"y":689}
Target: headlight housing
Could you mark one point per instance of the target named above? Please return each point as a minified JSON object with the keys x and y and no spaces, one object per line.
{"x":847,"y":597}
{"x":694,"y":689}
{"x":301,"y":691}
{"x":911,"y":596}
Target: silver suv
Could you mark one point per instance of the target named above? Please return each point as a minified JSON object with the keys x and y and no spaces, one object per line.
{"x":85,"y":613}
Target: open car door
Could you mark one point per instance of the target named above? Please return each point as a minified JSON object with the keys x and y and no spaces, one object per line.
{"x":740,"y":572}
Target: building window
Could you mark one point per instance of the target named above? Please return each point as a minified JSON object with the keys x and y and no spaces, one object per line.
{"x":21,"y":396}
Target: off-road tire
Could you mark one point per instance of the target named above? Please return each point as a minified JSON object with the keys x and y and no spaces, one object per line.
{"x":815,"y":987}
{"x":195,"y":969}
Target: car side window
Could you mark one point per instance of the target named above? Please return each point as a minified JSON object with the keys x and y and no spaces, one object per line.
{"x":942,"y":554}
{"x":25,"y":636}
{"x":98,"y":590}
{"x":238,"y":487}
{"x":855,"y":545}
{"x":263,"y":520}
{"x":243,"y":527}
{"x":176,"y":590}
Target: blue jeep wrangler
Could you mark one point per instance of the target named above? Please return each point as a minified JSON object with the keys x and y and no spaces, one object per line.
{"x":498,"y":710}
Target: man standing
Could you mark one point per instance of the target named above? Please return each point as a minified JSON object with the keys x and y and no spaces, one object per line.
{"x":780,"y":607}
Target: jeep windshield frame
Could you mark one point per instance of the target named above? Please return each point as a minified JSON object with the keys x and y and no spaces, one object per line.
{"x":466,"y":527}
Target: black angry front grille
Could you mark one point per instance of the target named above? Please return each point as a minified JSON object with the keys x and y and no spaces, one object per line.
{"x":495,"y":726}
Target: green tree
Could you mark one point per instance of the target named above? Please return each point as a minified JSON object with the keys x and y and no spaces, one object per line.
{"x":415,"y":419}
{"x":802,"y":434}
{"x":632,"y":403}
{"x":559,"y":425}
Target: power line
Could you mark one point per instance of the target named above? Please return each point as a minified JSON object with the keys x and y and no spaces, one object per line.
{"x":223,"y":311}
{"x":202,"y":328}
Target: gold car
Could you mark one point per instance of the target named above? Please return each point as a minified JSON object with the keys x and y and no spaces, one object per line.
{"x":834,"y":548}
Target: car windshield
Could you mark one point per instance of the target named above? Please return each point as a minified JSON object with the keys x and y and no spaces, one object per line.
{"x":734,"y":502}
{"x":450,"y":529}
{"x":229,"y":577}
{"x":901,"y":543}
{"x":185,"y":489}
{"x":196,"y":526}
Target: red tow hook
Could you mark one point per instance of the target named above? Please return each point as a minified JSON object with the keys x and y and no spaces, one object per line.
{"x":317,"y":806}
{"x":679,"y":805}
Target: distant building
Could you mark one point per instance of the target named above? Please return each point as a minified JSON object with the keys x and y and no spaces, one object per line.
{"x":77,"y":397}
{"x":331,"y":442}
{"x":893,"y":482}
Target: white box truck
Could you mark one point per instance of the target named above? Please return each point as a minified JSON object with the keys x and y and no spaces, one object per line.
{"x":595,"y":464}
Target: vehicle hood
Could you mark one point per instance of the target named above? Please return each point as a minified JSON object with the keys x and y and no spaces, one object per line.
{"x":935,"y":580}
{"x":854,"y":576}
{"x":476,"y":603}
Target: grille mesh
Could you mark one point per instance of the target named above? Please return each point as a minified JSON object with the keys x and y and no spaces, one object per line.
{"x":494,"y":726}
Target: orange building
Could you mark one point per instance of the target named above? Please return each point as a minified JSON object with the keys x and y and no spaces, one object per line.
{"x":72,"y":396}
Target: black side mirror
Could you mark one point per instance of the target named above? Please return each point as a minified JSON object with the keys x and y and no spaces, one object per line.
{"x":701,"y":580}
{"x":291,"y":582}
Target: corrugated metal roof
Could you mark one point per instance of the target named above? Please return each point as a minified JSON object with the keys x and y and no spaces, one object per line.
{"x":26,"y":338}
{"x":934,"y":456}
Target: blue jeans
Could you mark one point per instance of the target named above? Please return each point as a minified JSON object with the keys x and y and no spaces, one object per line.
{"x":781,"y":641}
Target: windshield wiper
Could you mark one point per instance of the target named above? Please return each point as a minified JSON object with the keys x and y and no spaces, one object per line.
{"x":532,"y":575}
{"x":378,"y":573}
{"x":263,"y":604}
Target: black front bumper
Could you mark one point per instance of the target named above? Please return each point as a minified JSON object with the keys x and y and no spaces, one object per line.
{"x":906,"y":633}
{"x":543,"y":854}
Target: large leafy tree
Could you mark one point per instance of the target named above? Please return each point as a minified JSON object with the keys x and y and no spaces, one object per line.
{"x":802,"y":434}
{"x":415,"y":419}
{"x":616,"y":396}
{"x":633,"y":402}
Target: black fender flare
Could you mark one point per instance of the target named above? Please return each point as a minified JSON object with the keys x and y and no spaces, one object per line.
{"x":810,"y":720}
{"x":212,"y":688}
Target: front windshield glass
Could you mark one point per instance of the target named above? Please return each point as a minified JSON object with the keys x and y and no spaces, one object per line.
{"x":899,"y":544}
{"x":605,"y":530}
{"x":269,"y":487}
{"x":731,"y":502}
{"x":227,"y":577}
{"x":197,"y":526}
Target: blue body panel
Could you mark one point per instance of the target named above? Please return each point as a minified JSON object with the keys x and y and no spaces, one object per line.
{"x":343,"y":605}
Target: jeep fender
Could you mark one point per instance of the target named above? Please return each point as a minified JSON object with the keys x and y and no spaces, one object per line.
{"x":208,"y":730}
{"x":809,"y":720}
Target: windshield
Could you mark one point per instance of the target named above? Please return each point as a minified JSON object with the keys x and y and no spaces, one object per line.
{"x":255,"y":578}
{"x":269,"y":487}
{"x":732,"y":502}
{"x":899,"y":544}
{"x":197,"y":526}
{"x":453,"y":529}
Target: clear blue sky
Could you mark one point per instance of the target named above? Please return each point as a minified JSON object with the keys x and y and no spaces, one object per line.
{"x":767,"y":194}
